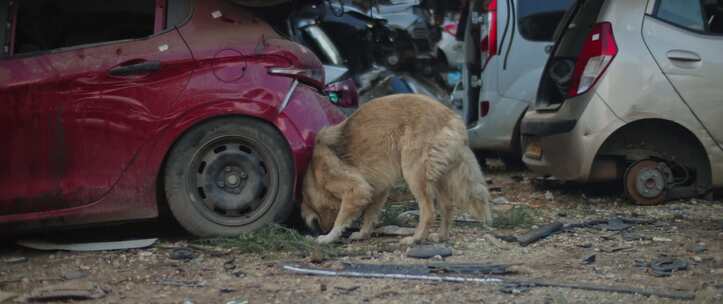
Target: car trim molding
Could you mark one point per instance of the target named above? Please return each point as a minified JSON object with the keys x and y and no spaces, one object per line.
{"x":287,"y":98}
{"x":547,"y":127}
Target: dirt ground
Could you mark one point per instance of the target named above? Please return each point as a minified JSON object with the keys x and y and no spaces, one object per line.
{"x":690,"y":230}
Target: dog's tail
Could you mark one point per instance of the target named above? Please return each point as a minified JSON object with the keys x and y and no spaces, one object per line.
{"x":470,"y":187}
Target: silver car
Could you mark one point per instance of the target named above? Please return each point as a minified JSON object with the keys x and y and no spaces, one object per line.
{"x":506,"y":46}
{"x":633,"y":91}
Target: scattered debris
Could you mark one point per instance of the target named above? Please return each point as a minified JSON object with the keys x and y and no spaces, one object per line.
{"x":99,"y":246}
{"x":589,"y":259}
{"x":539,"y":233}
{"x":394,"y":230}
{"x":322,"y":287}
{"x":433,"y":268}
{"x":516,"y":288}
{"x":549,"y":196}
{"x":15,"y":260}
{"x":614,"y":224}
{"x":428,"y":251}
{"x":615,"y":248}
{"x":661,"y":239}
{"x":171,"y":282}
{"x":664,"y":267}
{"x":346,"y":290}
{"x":71,"y":291}
{"x":408,"y":218}
{"x":183,"y":254}
{"x":6,"y":296}
{"x":238,"y":301}
{"x":74,"y":275}
{"x":629,"y":237}
{"x":517,"y":178}
{"x":491,"y":280}
{"x":227,"y":290}
{"x":697,"y":248}
{"x":501,"y":200}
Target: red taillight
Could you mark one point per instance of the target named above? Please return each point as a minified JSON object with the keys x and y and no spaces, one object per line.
{"x":484,"y":108}
{"x":598,"y":52}
{"x":488,"y":45}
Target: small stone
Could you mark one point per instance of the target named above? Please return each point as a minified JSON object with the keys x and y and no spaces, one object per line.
{"x":408,"y":218}
{"x":438,"y":258}
{"x":661,"y":239}
{"x":549,"y":196}
{"x":500,"y":200}
{"x":697,"y":259}
{"x":322,"y":287}
{"x":74,"y":275}
{"x":428,"y":251}
{"x":697,"y":248}
{"x":184,"y":254}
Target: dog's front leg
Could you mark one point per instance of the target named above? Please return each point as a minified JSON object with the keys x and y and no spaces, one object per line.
{"x":351,"y":206}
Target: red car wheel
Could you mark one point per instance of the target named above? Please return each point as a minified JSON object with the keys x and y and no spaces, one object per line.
{"x":229,"y":176}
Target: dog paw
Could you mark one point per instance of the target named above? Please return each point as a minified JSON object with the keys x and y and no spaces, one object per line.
{"x":326,"y":239}
{"x":407,"y":241}
{"x":437,"y":238}
{"x":358,"y":236}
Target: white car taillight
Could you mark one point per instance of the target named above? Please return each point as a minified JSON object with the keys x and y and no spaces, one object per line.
{"x":598,"y":52}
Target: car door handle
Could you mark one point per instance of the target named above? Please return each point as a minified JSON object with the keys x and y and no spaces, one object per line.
{"x":686,"y":56}
{"x":136,"y":68}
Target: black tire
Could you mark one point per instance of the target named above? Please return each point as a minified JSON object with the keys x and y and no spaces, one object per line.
{"x":229,"y":176}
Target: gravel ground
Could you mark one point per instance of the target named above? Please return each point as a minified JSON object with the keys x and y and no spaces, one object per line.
{"x":690,"y":230}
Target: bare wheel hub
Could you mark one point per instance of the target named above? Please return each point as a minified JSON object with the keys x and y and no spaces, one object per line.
{"x":646,"y":181}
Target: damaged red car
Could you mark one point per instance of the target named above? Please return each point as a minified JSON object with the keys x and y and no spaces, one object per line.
{"x":112,"y":107}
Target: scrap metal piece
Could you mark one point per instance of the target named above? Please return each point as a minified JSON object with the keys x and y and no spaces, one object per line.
{"x":490,"y":280}
{"x":99,"y":246}
{"x":539,"y":233}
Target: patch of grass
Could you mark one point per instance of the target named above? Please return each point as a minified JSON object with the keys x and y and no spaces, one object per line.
{"x":273,"y":239}
{"x":519,"y":216}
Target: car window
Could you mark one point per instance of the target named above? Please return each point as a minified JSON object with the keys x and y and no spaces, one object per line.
{"x":177,"y":11}
{"x":702,"y":16}
{"x":5,"y":30}
{"x":538,"y":19}
{"x":50,"y":24}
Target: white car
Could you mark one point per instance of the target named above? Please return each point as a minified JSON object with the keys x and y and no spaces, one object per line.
{"x":506,"y":47}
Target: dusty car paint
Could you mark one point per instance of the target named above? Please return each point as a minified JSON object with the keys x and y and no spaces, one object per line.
{"x":84,"y":146}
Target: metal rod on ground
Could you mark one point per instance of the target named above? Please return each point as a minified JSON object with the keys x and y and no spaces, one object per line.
{"x":493,"y":280}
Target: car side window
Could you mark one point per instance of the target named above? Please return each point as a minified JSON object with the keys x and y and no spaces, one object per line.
{"x":177,"y":11}
{"x":702,"y":15}
{"x":539,"y":19}
{"x":51,"y":24}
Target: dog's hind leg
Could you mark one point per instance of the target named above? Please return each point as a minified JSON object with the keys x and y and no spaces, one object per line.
{"x":445,"y":204}
{"x":371,"y":215}
{"x":420,"y":188}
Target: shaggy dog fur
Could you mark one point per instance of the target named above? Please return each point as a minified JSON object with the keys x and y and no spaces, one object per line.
{"x":412,"y":137}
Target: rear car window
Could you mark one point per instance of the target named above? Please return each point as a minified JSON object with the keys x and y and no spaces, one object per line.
{"x":698,"y":15}
{"x":538,"y":19}
{"x":51,"y":24}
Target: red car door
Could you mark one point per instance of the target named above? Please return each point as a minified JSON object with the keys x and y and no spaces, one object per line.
{"x":29,"y":174}
{"x":118,"y":73}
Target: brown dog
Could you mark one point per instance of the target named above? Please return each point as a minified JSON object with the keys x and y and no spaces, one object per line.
{"x":358,"y":161}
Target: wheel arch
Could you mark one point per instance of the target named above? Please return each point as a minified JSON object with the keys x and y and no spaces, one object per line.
{"x":658,"y":138}
{"x":200,"y":115}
